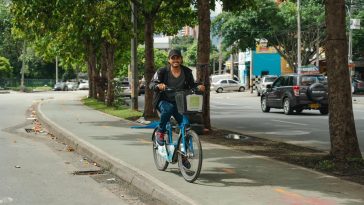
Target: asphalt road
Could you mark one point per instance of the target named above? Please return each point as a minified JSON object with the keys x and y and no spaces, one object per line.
{"x":37,"y":170}
{"x":241,"y":112}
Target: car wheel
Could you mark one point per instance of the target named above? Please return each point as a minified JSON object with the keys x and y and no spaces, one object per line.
{"x":263,"y":104}
{"x":241,"y":89}
{"x":219,"y":90}
{"x":324,"y":110}
{"x":288,"y":110}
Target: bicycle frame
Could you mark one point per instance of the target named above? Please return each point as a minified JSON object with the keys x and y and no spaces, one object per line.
{"x":181,"y":141}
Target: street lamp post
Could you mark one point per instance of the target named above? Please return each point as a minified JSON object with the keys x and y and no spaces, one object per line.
{"x":350,"y":54}
{"x":133,"y":65}
{"x":298,"y":37}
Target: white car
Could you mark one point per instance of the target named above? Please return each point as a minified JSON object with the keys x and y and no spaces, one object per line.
{"x":266,"y":80}
{"x":83,"y":85}
{"x":227,"y":85}
{"x":72,"y":85}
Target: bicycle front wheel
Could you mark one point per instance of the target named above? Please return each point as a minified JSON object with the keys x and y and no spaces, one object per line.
{"x":190,"y":161}
{"x":160,"y":161}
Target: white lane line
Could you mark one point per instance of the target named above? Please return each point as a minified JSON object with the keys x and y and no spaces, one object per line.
{"x":294,"y":123}
{"x":219,"y":103}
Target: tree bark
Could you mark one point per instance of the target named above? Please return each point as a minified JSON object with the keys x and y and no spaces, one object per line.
{"x":149,"y":65}
{"x":203,"y":55}
{"x":103,"y":72}
{"x":344,"y":141}
{"x":109,"y":54}
{"x":91,"y":67}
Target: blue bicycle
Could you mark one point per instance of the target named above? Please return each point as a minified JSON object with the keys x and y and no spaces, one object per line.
{"x":182,"y":144}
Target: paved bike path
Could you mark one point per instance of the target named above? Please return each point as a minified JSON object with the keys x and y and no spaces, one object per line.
{"x":227,"y":176}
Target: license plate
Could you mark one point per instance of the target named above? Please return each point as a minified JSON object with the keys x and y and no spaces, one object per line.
{"x":314,"y":106}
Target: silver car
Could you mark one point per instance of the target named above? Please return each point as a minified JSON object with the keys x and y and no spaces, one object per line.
{"x":266,"y":80}
{"x":227,"y":85}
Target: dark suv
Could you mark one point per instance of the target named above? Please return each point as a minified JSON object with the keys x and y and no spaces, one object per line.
{"x":296,"y":92}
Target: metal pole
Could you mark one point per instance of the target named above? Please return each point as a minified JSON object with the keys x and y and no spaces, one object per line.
{"x":23,"y":68}
{"x":350,"y":56}
{"x":298,"y":38}
{"x":134,"y":69}
{"x":56,"y":69}
{"x":318,"y":47}
{"x":220,"y":53}
{"x":232,"y":66}
{"x":251,"y":71}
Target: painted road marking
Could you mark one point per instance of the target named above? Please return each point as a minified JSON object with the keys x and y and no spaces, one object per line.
{"x":297,"y":199}
{"x":144,"y":141}
{"x":293,"y":123}
{"x":229,"y":170}
{"x":6,"y":200}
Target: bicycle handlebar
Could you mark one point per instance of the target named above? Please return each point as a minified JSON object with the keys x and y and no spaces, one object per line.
{"x":168,"y":89}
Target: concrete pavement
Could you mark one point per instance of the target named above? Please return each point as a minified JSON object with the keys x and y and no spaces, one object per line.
{"x":227,"y":176}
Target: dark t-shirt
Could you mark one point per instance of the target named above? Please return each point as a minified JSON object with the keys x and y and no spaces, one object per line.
{"x":176,"y":83}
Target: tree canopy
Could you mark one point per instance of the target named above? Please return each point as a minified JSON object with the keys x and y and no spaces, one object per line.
{"x":275,"y":22}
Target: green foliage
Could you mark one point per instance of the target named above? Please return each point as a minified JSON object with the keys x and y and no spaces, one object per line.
{"x":326,"y":165}
{"x":9,"y":48}
{"x":237,"y":5}
{"x":160,"y":59}
{"x":182,"y":42}
{"x":276,"y":23}
{"x":190,"y":56}
{"x":358,"y":38}
{"x":5,"y":68}
{"x":65,"y":28}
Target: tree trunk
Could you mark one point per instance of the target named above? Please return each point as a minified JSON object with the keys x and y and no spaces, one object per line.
{"x":103,"y":71}
{"x":344,"y":141}
{"x":91,"y":67}
{"x":203,"y":55}
{"x":149,"y":66}
{"x":109,"y":52}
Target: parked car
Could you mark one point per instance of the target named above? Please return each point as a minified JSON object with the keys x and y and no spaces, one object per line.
{"x":60,"y":86}
{"x":266,"y":80}
{"x":227,"y":85}
{"x":296,"y":92}
{"x":357,"y":85}
{"x":215,"y":78}
{"x":83,"y":85}
{"x":72,"y":85}
{"x":122,"y":88}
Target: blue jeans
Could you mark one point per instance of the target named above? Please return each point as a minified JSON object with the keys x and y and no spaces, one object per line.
{"x":168,"y":109}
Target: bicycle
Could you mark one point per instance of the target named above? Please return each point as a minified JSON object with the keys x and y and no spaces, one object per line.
{"x":187,"y":146}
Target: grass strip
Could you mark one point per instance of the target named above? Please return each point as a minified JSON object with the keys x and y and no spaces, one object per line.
{"x":122,"y":112}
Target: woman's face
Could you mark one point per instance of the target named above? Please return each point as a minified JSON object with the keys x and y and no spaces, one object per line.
{"x":175,"y":61}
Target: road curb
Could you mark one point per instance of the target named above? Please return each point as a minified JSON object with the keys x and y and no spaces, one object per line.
{"x":138,"y":178}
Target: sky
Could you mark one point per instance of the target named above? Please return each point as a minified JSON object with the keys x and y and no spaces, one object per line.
{"x":218,"y":9}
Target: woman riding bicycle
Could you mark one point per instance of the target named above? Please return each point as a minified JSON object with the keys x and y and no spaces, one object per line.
{"x":176,"y":76}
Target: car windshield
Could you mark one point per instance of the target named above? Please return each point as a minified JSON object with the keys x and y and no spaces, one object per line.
{"x":311,"y":79}
{"x":271,"y":79}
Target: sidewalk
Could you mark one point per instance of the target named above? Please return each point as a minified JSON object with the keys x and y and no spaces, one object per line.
{"x":227,"y":176}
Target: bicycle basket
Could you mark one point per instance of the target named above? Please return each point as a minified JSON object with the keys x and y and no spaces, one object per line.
{"x":188,"y":102}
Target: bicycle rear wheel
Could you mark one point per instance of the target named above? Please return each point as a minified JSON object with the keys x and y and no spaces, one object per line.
{"x":193,"y":155}
{"x":160,"y":161}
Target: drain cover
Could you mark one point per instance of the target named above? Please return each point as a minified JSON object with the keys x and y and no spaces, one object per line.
{"x":237,"y":137}
{"x":29,"y":130}
{"x":88,"y":172}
